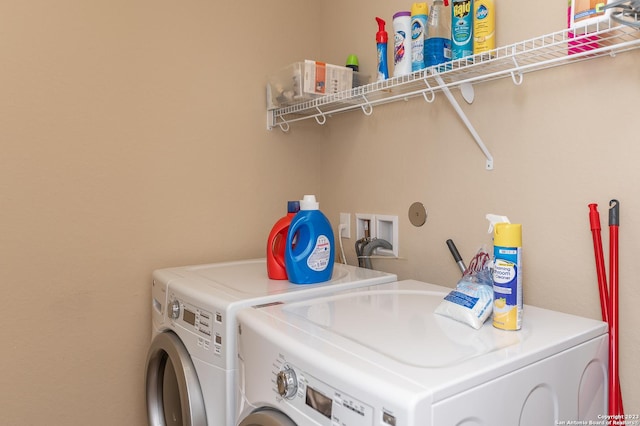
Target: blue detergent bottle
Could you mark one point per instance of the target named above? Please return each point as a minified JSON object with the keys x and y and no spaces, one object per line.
{"x":309,"y":259}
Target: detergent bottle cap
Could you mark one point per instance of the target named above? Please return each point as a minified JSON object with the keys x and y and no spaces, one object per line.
{"x":293,"y":206}
{"x":419,"y":9}
{"x":309,"y":202}
{"x":381,"y":35}
{"x":494,"y":219}
{"x":401,"y":13}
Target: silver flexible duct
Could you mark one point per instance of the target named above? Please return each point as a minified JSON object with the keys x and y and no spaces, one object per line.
{"x":370,"y":247}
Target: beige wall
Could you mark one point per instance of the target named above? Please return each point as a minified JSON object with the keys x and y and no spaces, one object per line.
{"x":133,"y":137}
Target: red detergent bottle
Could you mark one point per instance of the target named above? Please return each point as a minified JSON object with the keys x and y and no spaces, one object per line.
{"x":277,"y":242}
{"x":309,"y":252}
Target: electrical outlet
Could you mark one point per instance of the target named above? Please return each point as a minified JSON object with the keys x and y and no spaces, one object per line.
{"x":345,"y":219}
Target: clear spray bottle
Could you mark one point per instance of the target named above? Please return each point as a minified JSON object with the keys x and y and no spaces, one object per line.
{"x":437,"y":48}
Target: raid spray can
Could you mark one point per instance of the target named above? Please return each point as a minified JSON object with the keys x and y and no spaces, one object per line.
{"x":507,"y":276}
{"x":461,"y":29}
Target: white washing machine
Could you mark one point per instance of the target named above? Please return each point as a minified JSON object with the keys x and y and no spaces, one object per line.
{"x":192,"y":360}
{"x":381,"y":357}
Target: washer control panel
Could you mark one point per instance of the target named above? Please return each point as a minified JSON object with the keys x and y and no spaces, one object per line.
{"x":192,"y":318}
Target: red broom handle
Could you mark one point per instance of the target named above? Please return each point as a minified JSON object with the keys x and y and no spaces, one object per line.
{"x":594,"y":220}
{"x":615,"y":394}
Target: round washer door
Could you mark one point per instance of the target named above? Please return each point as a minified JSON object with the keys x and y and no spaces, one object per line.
{"x":267,"y":417}
{"x":174,"y":396}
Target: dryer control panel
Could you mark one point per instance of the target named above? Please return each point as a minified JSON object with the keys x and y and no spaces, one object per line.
{"x":318,"y":400}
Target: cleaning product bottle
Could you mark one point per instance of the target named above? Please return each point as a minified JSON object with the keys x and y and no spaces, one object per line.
{"x":310,"y":259}
{"x":507,"y":276}
{"x":354,"y":64}
{"x":276,"y":243}
{"x":484,"y":26}
{"x":381,"y":44}
{"x":401,"y":43}
{"x":438,"y":45}
{"x":419,"y":14}
{"x":461,"y":28}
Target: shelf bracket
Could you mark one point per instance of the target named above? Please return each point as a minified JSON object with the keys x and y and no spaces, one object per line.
{"x":465,"y":120}
{"x":270,"y":115}
{"x":272,"y":122}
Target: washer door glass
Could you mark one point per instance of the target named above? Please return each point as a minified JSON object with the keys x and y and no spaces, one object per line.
{"x":174,"y":396}
{"x":267,"y":417}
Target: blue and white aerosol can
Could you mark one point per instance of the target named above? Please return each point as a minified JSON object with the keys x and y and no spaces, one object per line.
{"x":461,"y":28}
{"x":419,"y":15}
{"x":309,"y":259}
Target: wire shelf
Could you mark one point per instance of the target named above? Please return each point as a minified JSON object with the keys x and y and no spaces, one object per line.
{"x":547,"y":51}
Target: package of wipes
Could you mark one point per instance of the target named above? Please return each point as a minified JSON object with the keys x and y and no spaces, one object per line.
{"x":472,"y":300}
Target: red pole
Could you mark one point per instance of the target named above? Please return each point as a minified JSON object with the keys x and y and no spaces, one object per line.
{"x":594,"y":220}
{"x":615,"y":394}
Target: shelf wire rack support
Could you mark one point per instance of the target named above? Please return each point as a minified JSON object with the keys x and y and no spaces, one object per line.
{"x":465,"y":120}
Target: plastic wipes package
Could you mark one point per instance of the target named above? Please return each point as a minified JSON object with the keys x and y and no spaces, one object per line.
{"x":472,"y":301}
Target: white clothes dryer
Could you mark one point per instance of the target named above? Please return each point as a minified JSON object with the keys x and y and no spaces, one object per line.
{"x":382,"y":357}
{"x":192,"y":360}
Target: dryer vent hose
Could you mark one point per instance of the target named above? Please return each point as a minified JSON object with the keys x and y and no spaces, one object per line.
{"x":365,"y":248}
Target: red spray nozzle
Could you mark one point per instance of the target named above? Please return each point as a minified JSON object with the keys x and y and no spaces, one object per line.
{"x":446,"y":3}
{"x":381,"y":35}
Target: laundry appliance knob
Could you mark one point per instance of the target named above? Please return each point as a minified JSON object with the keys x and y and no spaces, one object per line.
{"x":174,"y":309}
{"x":287,"y":383}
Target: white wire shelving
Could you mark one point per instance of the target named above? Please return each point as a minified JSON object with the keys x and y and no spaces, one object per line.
{"x":547,"y":51}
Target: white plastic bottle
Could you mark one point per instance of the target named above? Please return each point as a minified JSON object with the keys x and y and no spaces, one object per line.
{"x":402,"y":43}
